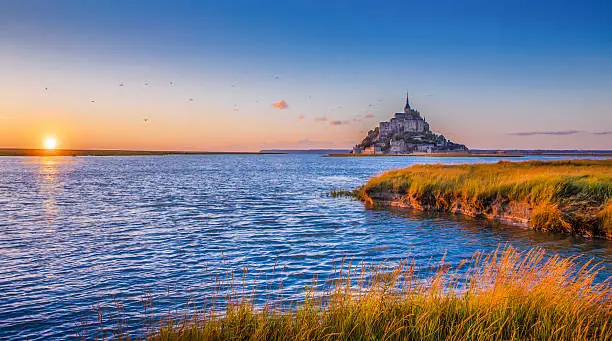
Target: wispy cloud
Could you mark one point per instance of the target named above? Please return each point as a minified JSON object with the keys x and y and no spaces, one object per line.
{"x":607,"y":132}
{"x":337,"y":123}
{"x":369,"y":115}
{"x":280,"y":104}
{"x":556,"y":132}
{"x":300,"y":144}
{"x":320,"y":119}
{"x":314,"y":143}
{"x":301,"y":117}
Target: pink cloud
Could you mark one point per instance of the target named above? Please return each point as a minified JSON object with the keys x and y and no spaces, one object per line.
{"x":301,"y":117}
{"x":320,"y":119}
{"x":280,"y":104}
{"x":369,"y":115}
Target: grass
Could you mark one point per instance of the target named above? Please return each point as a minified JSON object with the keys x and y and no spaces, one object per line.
{"x":504,"y":295}
{"x":572,"y":196}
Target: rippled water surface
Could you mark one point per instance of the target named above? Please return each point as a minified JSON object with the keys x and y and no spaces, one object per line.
{"x":79,"y":234}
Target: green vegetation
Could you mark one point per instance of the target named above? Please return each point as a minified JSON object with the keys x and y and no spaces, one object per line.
{"x":343,"y":193}
{"x":567,"y":196}
{"x":505,"y":295}
{"x":370,"y":139}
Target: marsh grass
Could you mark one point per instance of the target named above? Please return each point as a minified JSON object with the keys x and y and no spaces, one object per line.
{"x":504,"y":295}
{"x":570,"y":196}
{"x":343,"y":193}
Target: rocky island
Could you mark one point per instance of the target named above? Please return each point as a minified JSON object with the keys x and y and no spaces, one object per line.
{"x":405,"y":133}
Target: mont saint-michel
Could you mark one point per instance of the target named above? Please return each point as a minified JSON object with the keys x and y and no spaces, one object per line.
{"x":406,"y":132}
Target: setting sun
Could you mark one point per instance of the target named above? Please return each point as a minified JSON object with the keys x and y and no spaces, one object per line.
{"x":50,"y":143}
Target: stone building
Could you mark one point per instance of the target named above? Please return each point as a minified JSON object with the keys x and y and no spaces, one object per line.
{"x":406,"y":132}
{"x":409,"y":121}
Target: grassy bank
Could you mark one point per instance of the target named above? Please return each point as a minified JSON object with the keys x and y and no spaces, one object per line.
{"x":568,"y":196}
{"x":505,"y":296}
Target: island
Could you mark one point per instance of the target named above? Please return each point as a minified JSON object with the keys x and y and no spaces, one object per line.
{"x":405,"y":133}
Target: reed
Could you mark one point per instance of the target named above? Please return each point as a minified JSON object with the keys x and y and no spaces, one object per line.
{"x":503,"y":295}
{"x":568,"y":196}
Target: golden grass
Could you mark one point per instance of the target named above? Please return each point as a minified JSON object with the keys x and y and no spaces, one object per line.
{"x":504,"y":295}
{"x":570,"y":196}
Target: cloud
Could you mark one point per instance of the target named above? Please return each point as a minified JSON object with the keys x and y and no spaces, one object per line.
{"x":280,"y":104}
{"x":301,"y":117}
{"x":369,"y":115}
{"x":314,"y":143}
{"x":304,"y":143}
{"x":607,"y":132}
{"x":320,"y":119}
{"x":337,"y":123}
{"x":559,"y":132}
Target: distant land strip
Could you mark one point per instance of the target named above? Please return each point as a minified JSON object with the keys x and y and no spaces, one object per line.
{"x":96,"y":152}
{"x":492,"y":153}
{"x":430,"y":155}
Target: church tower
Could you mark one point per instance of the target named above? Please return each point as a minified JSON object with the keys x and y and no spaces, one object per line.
{"x":407,"y":108}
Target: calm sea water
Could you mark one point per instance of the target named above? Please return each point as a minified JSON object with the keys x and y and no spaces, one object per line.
{"x":79,"y":234}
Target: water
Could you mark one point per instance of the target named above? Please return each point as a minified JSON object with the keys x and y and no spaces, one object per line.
{"x":78,"y":234}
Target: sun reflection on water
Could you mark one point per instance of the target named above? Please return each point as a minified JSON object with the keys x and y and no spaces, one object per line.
{"x":50,"y":184}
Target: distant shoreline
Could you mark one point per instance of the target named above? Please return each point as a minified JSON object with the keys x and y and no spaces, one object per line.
{"x":323,"y":152}
{"x":485,"y":154}
{"x":429,"y":155}
{"x":112,"y":152}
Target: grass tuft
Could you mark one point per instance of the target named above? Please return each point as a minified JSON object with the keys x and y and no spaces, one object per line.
{"x":503,"y":295}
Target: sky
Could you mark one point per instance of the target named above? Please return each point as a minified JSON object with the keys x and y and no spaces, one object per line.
{"x":249,"y":75}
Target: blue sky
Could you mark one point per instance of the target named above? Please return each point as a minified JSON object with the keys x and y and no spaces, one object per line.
{"x":490,"y":74}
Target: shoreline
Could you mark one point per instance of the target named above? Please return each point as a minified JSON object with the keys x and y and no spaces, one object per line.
{"x":428,"y":155}
{"x":114,"y":152}
{"x":479,"y":154}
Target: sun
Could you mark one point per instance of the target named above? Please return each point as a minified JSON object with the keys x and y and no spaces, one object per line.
{"x":50,"y":143}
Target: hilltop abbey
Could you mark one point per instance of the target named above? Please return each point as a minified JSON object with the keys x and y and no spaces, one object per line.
{"x":406,"y":132}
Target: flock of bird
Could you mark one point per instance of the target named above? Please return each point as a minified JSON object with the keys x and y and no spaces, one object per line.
{"x":147,"y":84}
{"x":235,"y":108}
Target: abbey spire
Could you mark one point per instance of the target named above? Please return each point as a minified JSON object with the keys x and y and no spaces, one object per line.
{"x":407,"y":108}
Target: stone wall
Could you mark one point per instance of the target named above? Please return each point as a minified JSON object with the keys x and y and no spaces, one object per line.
{"x":402,"y":124}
